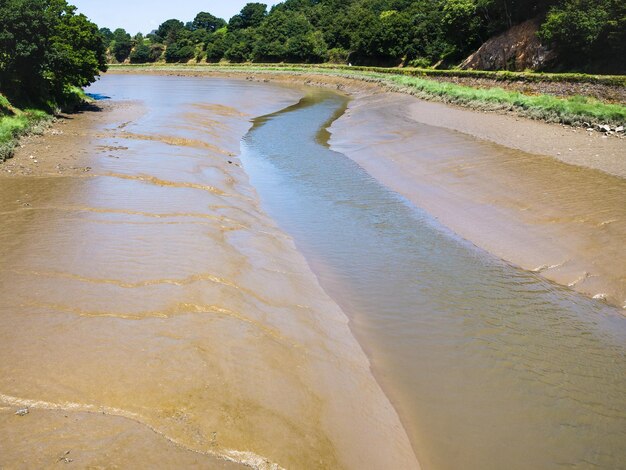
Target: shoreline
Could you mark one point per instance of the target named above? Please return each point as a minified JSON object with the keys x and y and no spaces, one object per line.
{"x":574,"y":244}
{"x":532,"y":101}
{"x":565,"y":143}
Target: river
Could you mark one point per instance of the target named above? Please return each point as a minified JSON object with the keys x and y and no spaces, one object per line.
{"x":490,"y":366}
{"x":193,"y":302}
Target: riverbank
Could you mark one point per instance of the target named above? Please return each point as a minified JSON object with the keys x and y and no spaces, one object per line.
{"x":15,"y":123}
{"x":570,"y":232}
{"x":546,"y":100}
{"x":146,"y":292}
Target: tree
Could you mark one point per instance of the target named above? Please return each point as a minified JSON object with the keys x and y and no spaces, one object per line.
{"x":274,"y":33}
{"x":121,"y":45}
{"x":140,"y":55}
{"x":208,"y":22}
{"x":588,"y":28}
{"x":310,"y":47}
{"x":46,"y":48}
{"x":168,"y":30}
{"x":463,"y":26}
{"x":240,"y":45}
{"x":179,"y":52}
{"x":251,"y":16}
{"x":107,"y":35}
{"x":216,"y":46}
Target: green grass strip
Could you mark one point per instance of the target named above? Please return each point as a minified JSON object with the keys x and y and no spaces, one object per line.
{"x":502,"y":75}
{"x":15,"y":123}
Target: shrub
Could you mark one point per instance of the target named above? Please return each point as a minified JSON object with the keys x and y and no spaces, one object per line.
{"x":177,"y":52}
{"x":140,"y":55}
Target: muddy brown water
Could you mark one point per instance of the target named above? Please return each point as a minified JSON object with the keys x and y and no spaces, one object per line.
{"x":490,"y":366}
{"x":153,"y":291}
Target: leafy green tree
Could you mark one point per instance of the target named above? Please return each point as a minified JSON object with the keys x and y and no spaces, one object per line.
{"x":208,"y":22}
{"x":240,"y":45}
{"x":282,"y":36}
{"x":168,"y":30}
{"x":121,"y":45}
{"x":588,"y":28}
{"x":463,"y":26}
{"x":309,"y":47}
{"x":216,"y":46}
{"x":179,"y":52}
{"x":140,"y":54}
{"x":251,"y":16}
{"x":76,"y":51}
{"x":107,"y":35}
{"x":46,"y":48}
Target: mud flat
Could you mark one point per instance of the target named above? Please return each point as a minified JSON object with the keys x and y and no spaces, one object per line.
{"x":547,"y":198}
{"x":150,"y":311}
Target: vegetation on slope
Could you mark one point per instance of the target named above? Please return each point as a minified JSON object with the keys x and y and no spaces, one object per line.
{"x":47,"y":54}
{"x":587,"y":34}
{"x":14,"y":123}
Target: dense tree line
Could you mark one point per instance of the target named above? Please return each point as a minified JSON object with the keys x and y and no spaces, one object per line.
{"x":381,"y":32}
{"x":45,"y":50}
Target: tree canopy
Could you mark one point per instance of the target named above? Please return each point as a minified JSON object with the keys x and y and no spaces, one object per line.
{"x":46,"y":48}
{"x":586,"y":33}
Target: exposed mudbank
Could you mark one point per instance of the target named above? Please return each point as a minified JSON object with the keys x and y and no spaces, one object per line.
{"x":566,"y":222}
{"x":150,"y":295}
{"x":572,"y":237}
{"x":242,"y":354}
{"x":571,"y":233}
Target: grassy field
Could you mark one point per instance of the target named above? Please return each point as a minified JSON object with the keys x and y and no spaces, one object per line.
{"x":577,"y":110}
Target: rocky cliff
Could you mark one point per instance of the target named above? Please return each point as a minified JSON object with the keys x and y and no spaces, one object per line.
{"x":517,"y":49}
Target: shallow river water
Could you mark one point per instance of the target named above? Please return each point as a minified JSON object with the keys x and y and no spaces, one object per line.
{"x":152,"y":314}
{"x":489,"y":366}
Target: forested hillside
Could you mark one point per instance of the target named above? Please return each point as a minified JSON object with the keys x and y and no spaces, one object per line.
{"x":586,"y":35}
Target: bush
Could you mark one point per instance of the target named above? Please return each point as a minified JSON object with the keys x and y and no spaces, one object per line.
{"x":420,"y":63}
{"x":140,"y":55}
{"x":156,"y":52}
{"x":177,"y":52}
{"x":338,"y":55}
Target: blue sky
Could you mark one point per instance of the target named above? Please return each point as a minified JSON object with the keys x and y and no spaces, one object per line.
{"x":145,"y":15}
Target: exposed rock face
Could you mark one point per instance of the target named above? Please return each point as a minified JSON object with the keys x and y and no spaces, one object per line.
{"x":517,"y":49}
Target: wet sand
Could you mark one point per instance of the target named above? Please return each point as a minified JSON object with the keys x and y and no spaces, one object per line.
{"x":534,"y":199}
{"x":150,"y":311}
{"x":118,"y":257}
{"x":564,"y":219}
